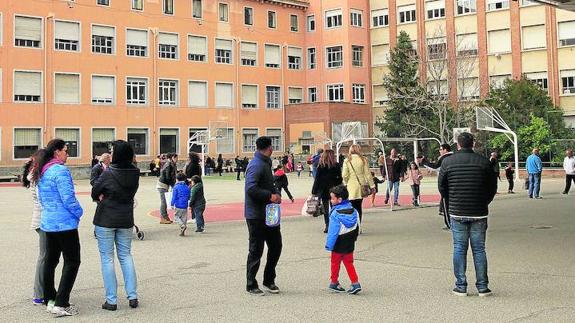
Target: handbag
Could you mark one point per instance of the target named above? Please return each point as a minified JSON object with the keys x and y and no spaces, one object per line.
{"x":365,"y":189}
{"x":313,"y":205}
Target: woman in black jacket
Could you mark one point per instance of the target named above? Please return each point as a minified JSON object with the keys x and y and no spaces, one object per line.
{"x":114,"y":221}
{"x":328,"y":175}
{"x":193,"y":167}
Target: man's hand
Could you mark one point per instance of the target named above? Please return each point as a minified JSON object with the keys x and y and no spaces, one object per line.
{"x":276,"y":198}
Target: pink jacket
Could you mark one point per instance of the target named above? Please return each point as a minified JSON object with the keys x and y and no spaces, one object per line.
{"x":415,"y":176}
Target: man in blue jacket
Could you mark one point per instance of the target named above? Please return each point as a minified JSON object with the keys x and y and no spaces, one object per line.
{"x":259,"y":192}
{"x":534,"y":168}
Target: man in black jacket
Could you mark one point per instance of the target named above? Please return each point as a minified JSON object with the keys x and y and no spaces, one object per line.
{"x":166,"y":180}
{"x":100,"y":167}
{"x":467,"y":180}
{"x":259,"y":192}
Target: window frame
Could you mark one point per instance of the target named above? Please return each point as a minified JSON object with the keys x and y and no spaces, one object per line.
{"x":327,"y":62}
{"x":293,"y":28}
{"x":147,"y":42}
{"x":353,"y":54}
{"x":340,"y":86}
{"x":413,"y":15}
{"x":231,"y":58}
{"x":176,"y":101}
{"x":362,"y":90}
{"x":42,"y":81}
{"x":114,"y":42}
{"x":302,"y":94}
{"x":275,"y":19}
{"x":254,"y":143}
{"x":136,"y":9}
{"x":206,"y":94}
{"x":471,"y":11}
{"x":571,"y":88}
{"x":14,"y":139}
{"x":173,"y":13}
{"x":227,"y":12}
{"x":114,"y":94}
{"x":147,"y":144}
{"x":233,"y":98}
{"x":92,"y":136}
{"x":79,"y":88}
{"x":280,"y":104}
{"x":385,"y":18}
{"x":251,"y":16}
{"x":327,"y":19}
{"x":42,"y":31}
{"x":206,"y":58}
{"x":177,"y":52}
{"x":257,"y":96}
{"x":359,"y":14}
{"x":489,"y":2}
{"x":79,"y":50}
{"x":78,"y":144}
{"x":308,"y":23}
{"x":201,"y":9}
{"x":146,"y":88}
{"x":297,"y":64}
{"x":178,"y":134}
{"x":309,"y":60}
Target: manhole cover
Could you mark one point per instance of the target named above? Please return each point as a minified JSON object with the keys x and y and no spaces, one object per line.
{"x":541,"y":227}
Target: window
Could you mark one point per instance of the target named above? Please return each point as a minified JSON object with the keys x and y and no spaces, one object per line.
{"x":103,"y":39}
{"x":272,"y":20}
{"x":168,"y":7}
{"x":293,"y":23}
{"x":468,"y":88}
{"x":226,"y":144}
{"x":223,"y":51}
{"x":379,"y":54}
{"x":27,"y":32}
{"x":294,"y":58}
{"x":311,"y":23}
{"x":356,"y":17}
{"x":103,"y":2}
{"x":103,"y":89}
{"x":333,"y":18}
{"x":224,"y":95}
{"x":276,"y":137}
{"x":438,"y":88}
{"x":137,"y":4}
{"x":248,"y":16}
{"x":334,"y":56}
{"x":273,"y":97}
{"x":357,"y":56}
{"x":136,"y":91}
{"x":568,"y":82}
{"x":466,"y":45}
{"x":197,"y":94}
{"x":66,"y":36}
{"x":311,"y":58}
{"x":312,"y":95}
{"x":566,"y":32}
{"x":436,"y":48}
{"x":168,"y":46}
{"x":295,"y":95}
{"x":272,"y":56}
{"x":223,"y":12}
{"x":138,"y":139}
{"x":169,"y":140}
{"x":26,"y":142}
{"x":197,"y":48}
{"x":249,"y":53}
{"x":499,"y":41}
{"x":249,"y":96}
{"x":406,"y":14}
{"x":27,"y":86}
{"x":466,"y":6}
{"x":379,"y":95}
{"x":167,"y":92}
{"x":539,"y":78}
{"x":335,"y":93}
{"x":197,"y":8}
{"x":249,"y":137}
{"x":380,"y":18}
{"x":102,"y":139}
{"x":72,"y":138}
{"x":435,"y":9}
{"x":136,"y":42}
{"x":525,"y":3}
{"x":67,"y":88}
{"x":497,"y":4}
{"x":358,"y":91}
{"x":497,"y":81}
{"x":534,"y":37}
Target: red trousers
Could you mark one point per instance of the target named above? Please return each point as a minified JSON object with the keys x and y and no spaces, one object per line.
{"x":347,"y":258}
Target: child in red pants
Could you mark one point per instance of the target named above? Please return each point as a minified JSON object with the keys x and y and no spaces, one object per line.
{"x":341,"y":237}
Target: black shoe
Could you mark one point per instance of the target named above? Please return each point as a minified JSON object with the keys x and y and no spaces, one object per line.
{"x":199,"y":230}
{"x":445,"y":228}
{"x":109,"y":307}
{"x":134,"y":303}
{"x":256,"y":291}
{"x":459,"y":291}
{"x":325,"y":230}
{"x":484,"y":293}
{"x":272,"y":288}
{"x":564,"y":193}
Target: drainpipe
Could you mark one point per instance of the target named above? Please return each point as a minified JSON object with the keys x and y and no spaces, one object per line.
{"x":45,"y":87}
{"x":283,"y":64}
{"x":153,"y":52}
{"x":238,"y":97}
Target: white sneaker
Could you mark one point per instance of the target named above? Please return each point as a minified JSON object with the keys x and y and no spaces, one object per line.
{"x":65,"y":311}
{"x":50,"y":306}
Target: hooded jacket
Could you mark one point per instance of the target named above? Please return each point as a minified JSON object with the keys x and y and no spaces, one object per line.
{"x":259,"y":187}
{"x":197,"y":198}
{"x":180,"y":195}
{"x":118,"y":185}
{"x":343,"y":228}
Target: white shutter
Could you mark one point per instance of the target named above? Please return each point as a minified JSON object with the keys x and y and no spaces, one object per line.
{"x":103,"y":31}
{"x":294,"y":51}
{"x":380,"y":54}
{"x":379,"y":93}
{"x":102,"y":87}
{"x":295,"y":93}
{"x":223,"y":44}
{"x":137,"y":131}
{"x":534,"y":37}
{"x":431,"y":5}
{"x":249,"y":50}
{"x":168,"y":132}
{"x":499,"y":41}
{"x":103,"y":135}
{"x":272,"y":54}
{"x":197,"y":94}
{"x":28,"y":28}
{"x":406,"y":8}
{"x":197,"y":45}
{"x":67,"y":30}
{"x":168,"y":39}
{"x":27,"y":83}
{"x":273,"y":132}
{"x":536,"y":75}
{"x":27,"y":137}
{"x":466,"y":42}
{"x":67,"y":88}
{"x":224,"y":95}
{"x":68,"y":134}
{"x":250,"y":94}
{"x":568,"y":73}
{"x":333,"y":13}
{"x":566,"y":30}
{"x":137,"y":37}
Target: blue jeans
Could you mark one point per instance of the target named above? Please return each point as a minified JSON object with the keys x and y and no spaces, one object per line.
{"x":198,"y":212}
{"x":465,"y":231}
{"x":395,"y":191}
{"x":534,"y":184}
{"x":122,"y":239}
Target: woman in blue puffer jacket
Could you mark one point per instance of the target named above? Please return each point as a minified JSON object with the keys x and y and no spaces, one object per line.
{"x":61,"y":214}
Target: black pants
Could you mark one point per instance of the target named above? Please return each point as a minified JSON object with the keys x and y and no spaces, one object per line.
{"x":415,"y":191}
{"x":66,"y":243}
{"x":325,"y":206}
{"x":238,"y":177}
{"x":444,"y":212}
{"x":511,"y":184}
{"x":568,"y":179}
{"x":285,"y":188}
{"x":357,"y":206}
{"x":260,"y":233}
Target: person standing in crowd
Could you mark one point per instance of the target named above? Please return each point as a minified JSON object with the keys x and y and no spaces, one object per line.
{"x":245,"y":163}
{"x":328,"y":175}
{"x":299,"y":169}
{"x":395,"y":171}
{"x":61,"y":213}
{"x":163,"y":160}
{"x":179,"y":202}
{"x":509,"y":171}
{"x":315,"y":161}
{"x":493,"y":159}
{"x":29,"y":183}
{"x":166,"y":180}
{"x":470,"y":184}
{"x":113,"y":222}
{"x":416,"y":177}
{"x":376,"y":182}
{"x":198,"y":202}
{"x":281,"y":182}
{"x":193,"y":166}
{"x":157,"y":161}
{"x":569,"y":167}
{"x":381,"y":163}
{"x":259,"y":192}
{"x":95,"y":161}
{"x":100,"y":167}
{"x":534,"y":168}
{"x":220,"y":165}
{"x":208,"y":166}
{"x":444,"y":152}
{"x":238,"y":162}
{"x":355,"y":174}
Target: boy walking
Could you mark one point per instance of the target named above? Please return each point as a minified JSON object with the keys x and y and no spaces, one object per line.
{"x":180,"y":198}
{"x":341,"y":237}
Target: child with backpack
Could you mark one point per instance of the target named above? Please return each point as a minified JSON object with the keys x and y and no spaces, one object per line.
{"x":180,"y":197}
{"x":198,"y":202}
{"x":342,"y":233}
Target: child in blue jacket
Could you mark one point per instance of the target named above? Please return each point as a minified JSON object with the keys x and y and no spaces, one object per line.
{"x":341,"y":237}
{"x":180,"y":198}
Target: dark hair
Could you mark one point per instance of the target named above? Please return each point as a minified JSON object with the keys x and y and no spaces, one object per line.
{"x":340,"y":191}
{"x":30,"y":166}
{"x":181,"y":177}
{"x":446,"y":147}
{"x":171,"y":155}
{"x":196,"y":179}
{"x":465,"y":140}
{"x":415,"y":164}
{"x":52,"y":146}
{"x":122,"y":153}
{"x":263,"y":142}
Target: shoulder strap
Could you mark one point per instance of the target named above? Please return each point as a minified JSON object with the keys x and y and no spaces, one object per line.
{"x":354,"y":173}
